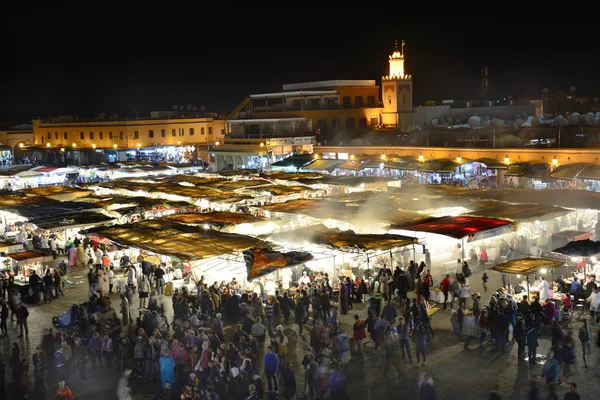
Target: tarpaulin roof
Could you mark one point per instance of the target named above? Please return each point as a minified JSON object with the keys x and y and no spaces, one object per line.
{"x":59,"y":192}
{"x":294,"y":161}
{"x":176,"y":189}
{"x":108,"y":202}
{"x":350,"y":165}
{"x":277,"y":190}
{"x":580,"y":248}
{"x":568,"y":171}
{"x":555,"y":197}
{"x":491,"y":163}
{"x":73,"y":220}
{"x":37,"y":207}
{"x":262,"y":261}
{"x":15,"y":170}
{"x":590,"y":172}
{"x":182,"y":241}
{"x":338,"y":239}
{"x":286,"y":176}
{"x":517,"y":169}
{"x":440,"y":166}
{"x":29,"y":257}
{"x":214,"y":218}
{"x":525,"y":266}
{"x":515,"y":212}
{"x":404,"y":164}
{"x":322,"y":165}
{"x":455,"y":227}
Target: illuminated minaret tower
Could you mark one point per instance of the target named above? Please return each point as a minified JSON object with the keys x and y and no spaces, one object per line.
{"x":396,"y":91}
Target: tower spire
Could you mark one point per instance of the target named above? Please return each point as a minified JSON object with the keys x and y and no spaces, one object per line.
{"x":402,"y":48}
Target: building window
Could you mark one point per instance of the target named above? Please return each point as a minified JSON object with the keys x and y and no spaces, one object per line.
{"x":335,"y":124}
{"x":390,"y":100}
{"x":222,"y":131}
{"x":371,"y":101}
{"x":181,"y":131}
{"x":210,"y":130}
{"x":110,"y":135}
{"x":163,"y":133}
{"x":150,"y":133}
{"x":173,"y":132}
{"x":322,"y":126}
{"x":121,"y":136}
{"x":42,"y":139}
{"x":136,"y":135}
{"x":349,"y":123}
{"x":65,"y":135}
{"x":358,"y":101}
{"x":362,"y":123}
{"x":374,"y":121}
{"x":49,"y":135}
{"x":191,"y":131}
{"x":202,"y":131}
{"x":56,"y":135}
{"x":101,"y":136}
{"x":346,"y":101}
{"x":91,"y":135}
{"x":403,"y":99}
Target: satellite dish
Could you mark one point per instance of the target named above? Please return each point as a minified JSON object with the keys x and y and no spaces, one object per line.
{"x":175,"y":107}
{"x":573,"y":119}
{"x":180,"y":108}
{"x":474,"y":121}
{"x":189,"y":107}
{"x":596,"y":100}
{"x":545,"y":90}
{"x":194,"y":109}
{"x":589,"y":118}
{"x":519,"y":122}
{"x":572,"y":89}
{"x":202,"y":108}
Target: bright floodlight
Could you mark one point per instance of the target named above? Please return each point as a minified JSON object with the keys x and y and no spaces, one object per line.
{"x":206,"y":226}
{"x":543,"y":270}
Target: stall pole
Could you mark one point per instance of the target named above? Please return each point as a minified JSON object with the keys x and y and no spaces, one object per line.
{"x":462,"y":250}
{"x":528,"y":297}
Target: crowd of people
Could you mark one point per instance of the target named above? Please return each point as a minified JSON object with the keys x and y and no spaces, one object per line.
{"x":191,"y":356}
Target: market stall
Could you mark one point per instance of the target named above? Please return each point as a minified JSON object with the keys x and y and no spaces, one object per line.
{"x":451,"y":238}
{"x":23,"y":263}
{"x":526,"y":267}
{"x":348,"y":253}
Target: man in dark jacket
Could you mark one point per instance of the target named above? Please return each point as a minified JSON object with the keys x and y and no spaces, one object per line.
{"x":289,"y":380}
{"x":520,"y":336}
{"x":22,"y":315}
{"x":34,"y":284}
{"x":501,"y":323}
{"x":48,"y":286}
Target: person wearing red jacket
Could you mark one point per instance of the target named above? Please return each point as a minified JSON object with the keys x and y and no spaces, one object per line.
{"x":359,"y":332}
{"x":445,"y":286}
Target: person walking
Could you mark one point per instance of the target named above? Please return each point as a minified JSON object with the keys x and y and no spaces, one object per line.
{"x":3,"y":318}
{"x":159,"y":275}
{"x":532,"y":344}
{"x":22,"y":315}
{"x":551,"y":371}
{"x":143,"y":289}
{"x":445,"y":288}
{"x":585,"y":337}
{"x":271,"y":366}
{"x":404,"y":340}
{"x":421,"y":344}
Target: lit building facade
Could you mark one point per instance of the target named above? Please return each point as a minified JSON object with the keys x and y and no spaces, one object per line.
{"x":318,"y":109}
{"x":130,"y":134}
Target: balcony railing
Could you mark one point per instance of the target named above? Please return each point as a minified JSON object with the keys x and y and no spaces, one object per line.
{"x":285,"y":108}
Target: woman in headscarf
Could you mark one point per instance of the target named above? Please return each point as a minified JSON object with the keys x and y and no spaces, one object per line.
{"x":81,"y":257}
{"x":72,"y":256}
{"x":125,"y":310}
{"x":167,"y":369}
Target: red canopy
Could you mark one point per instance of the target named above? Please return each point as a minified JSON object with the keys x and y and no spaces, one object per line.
{"x":455,"y":227}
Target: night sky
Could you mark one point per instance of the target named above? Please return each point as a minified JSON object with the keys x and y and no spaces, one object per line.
{"x":57,"y":62}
